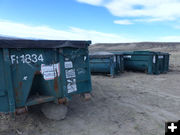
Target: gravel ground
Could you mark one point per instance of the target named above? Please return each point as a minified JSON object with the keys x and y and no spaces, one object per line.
{"x":132,"y":103}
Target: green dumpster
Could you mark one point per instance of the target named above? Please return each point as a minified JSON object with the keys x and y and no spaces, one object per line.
{"x":39,"y":71}
{"x":146,"y":61}
{"x":103,"y":62}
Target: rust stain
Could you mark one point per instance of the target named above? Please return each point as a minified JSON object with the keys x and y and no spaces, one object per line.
{"x":18,"y":92}
{"x":17,"y":95}
{"x":56,"y":84}
{"x":21,"y":110}
{"x":20,"y":85}
{"x":62,"y":101}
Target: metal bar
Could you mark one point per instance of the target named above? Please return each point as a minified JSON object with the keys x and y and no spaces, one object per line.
{"x":40,"y":100}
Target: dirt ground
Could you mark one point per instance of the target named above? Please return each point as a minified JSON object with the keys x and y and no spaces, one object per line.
{"x":131,"y":103}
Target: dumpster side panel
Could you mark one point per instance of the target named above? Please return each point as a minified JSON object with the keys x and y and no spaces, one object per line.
{"x":2,"y":79}
{"x":77,"y":71}
{"x":167,"y":56}
{"x":163,"y":60}
{"x":4,"y":103}
{"x":166,"y":62}
{"x":136,"y":65}
{"x":100,"y":65}
{"x":104,"y":64}
{"x":136,"y":62}
{"x":161,"y":63}
{"x":121,"y":63}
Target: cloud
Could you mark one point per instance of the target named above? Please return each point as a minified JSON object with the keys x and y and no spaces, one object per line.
{"x":72,"y":33}
{"x":177,"y":27}
{"x":148,"y":20}
{"x":92,"y":2}
{"x":170,"y":39}
{"x":151,"y":10}
{"x":123,"y":22}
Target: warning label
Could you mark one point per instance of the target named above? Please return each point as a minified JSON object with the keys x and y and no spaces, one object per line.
{"x":154,"y":59}
{"x":49,"y":72}
{"x":68,"y":64}
{"x":70,"y":73}
{"x":160,"y":57}
{"x":71,"y":85}
{"x":127,"y":56}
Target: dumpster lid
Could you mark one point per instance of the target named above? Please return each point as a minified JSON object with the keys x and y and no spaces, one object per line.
{"x":28,"y":43}
{"x":100,"y":54}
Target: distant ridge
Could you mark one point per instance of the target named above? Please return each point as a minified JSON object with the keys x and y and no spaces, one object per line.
{"x":140,"y":43}
{"x":167,"y":46}
{"x":8,"y":37}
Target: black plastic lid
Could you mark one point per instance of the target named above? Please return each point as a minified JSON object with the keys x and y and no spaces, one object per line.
{"x":26,"y":43}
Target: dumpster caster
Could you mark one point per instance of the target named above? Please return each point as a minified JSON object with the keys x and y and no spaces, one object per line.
{"x":62,"y":101}
{"x":21,"y":110}
{"x":87,"y":96}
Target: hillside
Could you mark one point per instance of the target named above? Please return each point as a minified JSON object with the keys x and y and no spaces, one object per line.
{"x":164,"y":46}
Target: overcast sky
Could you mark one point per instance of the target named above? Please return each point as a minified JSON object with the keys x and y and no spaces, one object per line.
{"x":97,"y":20}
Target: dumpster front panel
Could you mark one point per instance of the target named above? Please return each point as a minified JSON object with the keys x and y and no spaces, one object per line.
{"x":35,"y":74}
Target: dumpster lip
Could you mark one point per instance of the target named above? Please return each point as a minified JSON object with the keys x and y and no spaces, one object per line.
{"x":28,"y":43}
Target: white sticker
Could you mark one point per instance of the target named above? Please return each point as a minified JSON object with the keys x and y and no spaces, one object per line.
{"x":71,"y":85}
{"x":49,"y":72}
{"x":114,"y":58}
{"x":127,"y":56}
{"x":68,"y":64}
{"x":66,"y":59}
{"x":25,"y":78}
{"x":160,"y":57}
{"x":70,"y":73}
{"x":85,"y":58}
{"x":154,"y":59}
